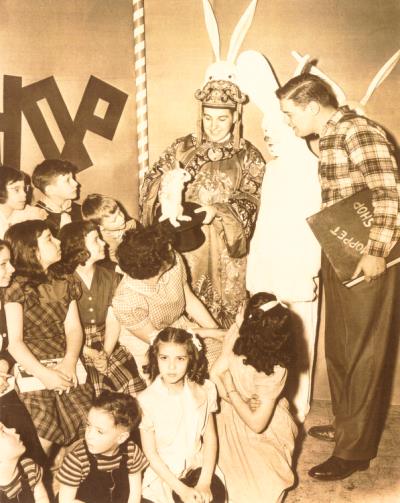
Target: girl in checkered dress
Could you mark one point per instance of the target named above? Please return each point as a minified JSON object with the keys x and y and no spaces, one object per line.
{"x":43,"y":323}
{"x":109,"y":365}
{"x":13,"y":413}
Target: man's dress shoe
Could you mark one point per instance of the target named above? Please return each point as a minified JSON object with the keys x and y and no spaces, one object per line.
{"x":336,"y":468}
{"x":325,"y":432}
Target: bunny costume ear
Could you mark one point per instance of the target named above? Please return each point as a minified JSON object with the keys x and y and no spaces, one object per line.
{"x":226,"y":70}
{"x":302,"y":61}
{"x":240,"y":31}
{"x":212,"y":29}
{"x":340,"y":94}
{"x":381,"y":76}
{"x":261,"y":90}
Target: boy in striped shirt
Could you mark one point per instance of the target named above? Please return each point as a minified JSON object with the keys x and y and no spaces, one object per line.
{"x":106,"y":466}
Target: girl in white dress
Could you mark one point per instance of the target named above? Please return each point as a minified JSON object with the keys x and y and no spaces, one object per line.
{"x":256,"y":443}
{"x":177,"y":429}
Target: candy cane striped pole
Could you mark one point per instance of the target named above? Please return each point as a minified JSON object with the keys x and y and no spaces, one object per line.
{"x":141,"y":91}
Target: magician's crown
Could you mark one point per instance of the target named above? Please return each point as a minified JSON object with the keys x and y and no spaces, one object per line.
{"x":221,"y":94}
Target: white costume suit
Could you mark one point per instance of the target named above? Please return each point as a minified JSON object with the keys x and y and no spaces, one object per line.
{"x":285,"y":256}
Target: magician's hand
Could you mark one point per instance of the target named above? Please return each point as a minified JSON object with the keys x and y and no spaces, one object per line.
{"x":210,"y":213}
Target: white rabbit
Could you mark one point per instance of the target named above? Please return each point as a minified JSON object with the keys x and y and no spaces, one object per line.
{"x":170,"y":195}
{"x":226,"y":69}
{"x":358,"y":106}
{"x":284,"y":256}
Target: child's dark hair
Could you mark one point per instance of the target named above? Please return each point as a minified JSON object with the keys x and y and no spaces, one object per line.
{"x":142,"y":252}
{"x":73,"y":247}
{"x":197,"y":366}
{"x":265,"y":337}
{"x":7,"y":176}
{"x":23,"y":239}
{"x":46,"y":172}
{"x":122,"y":407}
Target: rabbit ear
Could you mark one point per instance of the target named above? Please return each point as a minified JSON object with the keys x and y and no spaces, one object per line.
{"x":302,"y":61}
{"x":240,"y":31}
{"x":256,"y":78}
{"x":381,"y":76}
{"x":340,"y":94}
{"x":212,"y":28}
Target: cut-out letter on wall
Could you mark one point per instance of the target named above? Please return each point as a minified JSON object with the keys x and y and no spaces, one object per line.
{"x":86,"y":120}
{"x":18,"y":100}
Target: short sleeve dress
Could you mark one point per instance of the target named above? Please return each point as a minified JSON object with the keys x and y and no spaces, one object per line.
{"x":178,"y":421}
{"x":256,"y":466}
{"x":122,"y":373}
{"x":57,"y":418}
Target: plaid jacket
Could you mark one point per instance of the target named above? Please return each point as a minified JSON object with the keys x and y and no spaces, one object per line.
{"x":355,"y":154}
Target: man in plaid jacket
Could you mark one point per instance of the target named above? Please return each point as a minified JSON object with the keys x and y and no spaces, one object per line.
{"x":354,"y":153}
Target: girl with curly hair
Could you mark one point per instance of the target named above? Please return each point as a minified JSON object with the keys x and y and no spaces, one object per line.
{"x":256,"y":442}
{"x":177,"y":429}
{"x":109,"y":365}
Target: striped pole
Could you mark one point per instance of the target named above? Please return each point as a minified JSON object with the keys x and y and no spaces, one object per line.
{"x":141,"y":91}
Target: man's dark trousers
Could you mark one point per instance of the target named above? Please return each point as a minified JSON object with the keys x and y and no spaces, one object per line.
{"x":357,"y":332}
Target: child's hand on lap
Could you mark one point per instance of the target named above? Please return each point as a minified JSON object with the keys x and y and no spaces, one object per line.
{"x":68,"y":368}
{"x":56,"y":380}
{"x":100,"y":362}
{"x":98,"y":358}
{"x":89,"y":352}
{"x":3,"y":381}
{"x":205,"y":492}
{"x":190,"y":495}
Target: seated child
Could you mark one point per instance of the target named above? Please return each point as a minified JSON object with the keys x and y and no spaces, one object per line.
{"x":254,"y":361}
{"x":109,"y":365}
{"x":13,"y":207}
{"x":13,"y":413}
{"x":20,"y":478}
{"x":55,"y":179}
{"x":107,"y":214}
{"x":177,"y":430}
{"x":106,"y":466}
{"x":43,"y":324}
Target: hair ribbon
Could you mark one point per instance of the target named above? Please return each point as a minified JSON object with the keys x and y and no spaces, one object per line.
{"x":195,"y":340}
{"x":271,"y":304}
